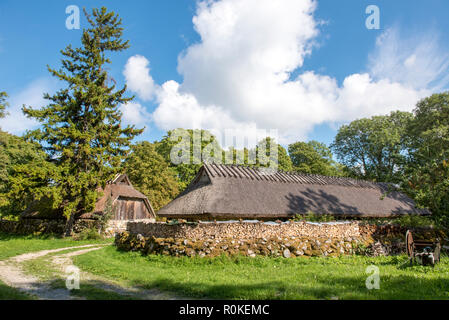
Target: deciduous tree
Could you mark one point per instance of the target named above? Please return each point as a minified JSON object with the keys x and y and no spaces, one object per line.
{"x":313,"y":157}
{"x":427,"y":174}
{"x":373,"y":148}
{"x":3,"y":103}
{"x":151,"y":174}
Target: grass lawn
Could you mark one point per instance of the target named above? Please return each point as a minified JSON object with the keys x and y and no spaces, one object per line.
{"x":12,"y":245}
{"x":271,"y":278}
{"x":8,"y":293}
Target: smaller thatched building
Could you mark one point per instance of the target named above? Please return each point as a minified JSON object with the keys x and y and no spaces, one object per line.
{"x":237,"y":192}
{"x":128,"y":204}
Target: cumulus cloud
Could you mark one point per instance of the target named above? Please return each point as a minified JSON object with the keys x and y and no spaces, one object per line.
{"x":240,"y":73}
{"x":138,"y":79}
{"x":135,"y":114}
{"x":16,"y":122}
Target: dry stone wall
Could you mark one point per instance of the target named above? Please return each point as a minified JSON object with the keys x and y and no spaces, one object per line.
{"x":292,"y":239}
{"x":245,"y":230}
{"x":55,"y":226}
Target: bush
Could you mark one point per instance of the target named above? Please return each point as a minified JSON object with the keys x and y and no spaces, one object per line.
{"x":314,"y":217}
{"x":412,"y":220}
{"x":88,"y":234}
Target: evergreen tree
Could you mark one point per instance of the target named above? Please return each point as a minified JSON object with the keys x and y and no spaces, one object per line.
{"x":81,"y":127}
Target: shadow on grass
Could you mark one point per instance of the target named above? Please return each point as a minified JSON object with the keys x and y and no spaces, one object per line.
{"x":401,"y":287}
{"x":8,"y":293}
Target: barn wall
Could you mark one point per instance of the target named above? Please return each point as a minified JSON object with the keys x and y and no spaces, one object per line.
{"x":130,"y":209}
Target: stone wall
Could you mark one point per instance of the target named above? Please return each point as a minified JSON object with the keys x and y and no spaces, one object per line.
{"x":41,"y":226}
{"x":287,"y":247}
{"x":54,"y":226}
{"x":244,"y":230}
{"x":290,"y":239}
{"x":117,"y":226}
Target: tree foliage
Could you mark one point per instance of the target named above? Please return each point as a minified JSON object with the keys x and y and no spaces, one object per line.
{"x":81,"y":129}
{"x":313,"y":157}
{"x":271,"y":154}
{"x":14,"y":152}
{"x":184,"y":151}
{"x":427,"y":173}
{"x":151,"y":174}
{"x":373,"y":148}
{"x":3,"y":103}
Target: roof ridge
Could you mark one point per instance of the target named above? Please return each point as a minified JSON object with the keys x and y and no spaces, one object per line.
{"x":233,"y":170}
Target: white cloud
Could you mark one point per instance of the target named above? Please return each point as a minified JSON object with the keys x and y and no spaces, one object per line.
{"x":239,"y":74}
{"x":138,"y":79}
{"x":418,"y":62}
{"x":134,"y":114}
{"x":16,"y":122}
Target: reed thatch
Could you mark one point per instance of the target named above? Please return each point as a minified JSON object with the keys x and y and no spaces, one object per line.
{"x":238,"y":192}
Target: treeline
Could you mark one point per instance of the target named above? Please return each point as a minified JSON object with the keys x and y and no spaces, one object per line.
{"x":406,"y":148}
{"x":81,"y":143}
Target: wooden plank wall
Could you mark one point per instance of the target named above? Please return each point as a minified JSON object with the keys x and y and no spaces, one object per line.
{"x":130,"y":209}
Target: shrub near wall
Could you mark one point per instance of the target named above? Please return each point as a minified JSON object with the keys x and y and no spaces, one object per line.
{"x":42,"y":226}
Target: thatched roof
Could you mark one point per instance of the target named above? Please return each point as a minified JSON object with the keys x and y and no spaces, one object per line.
{"x":229,"y":191}
{"x":119,"y":187}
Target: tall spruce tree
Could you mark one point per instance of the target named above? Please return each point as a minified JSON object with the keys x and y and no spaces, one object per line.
{"x":81,"y":128}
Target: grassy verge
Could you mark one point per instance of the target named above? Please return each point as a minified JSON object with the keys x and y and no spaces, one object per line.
{"x":270,"y":278}
{"x":12,"y":245}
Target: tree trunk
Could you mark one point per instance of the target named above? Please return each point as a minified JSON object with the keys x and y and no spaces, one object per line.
{"x":69,"y":225}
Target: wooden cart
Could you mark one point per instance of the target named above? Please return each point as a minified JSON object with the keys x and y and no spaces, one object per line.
{"x":422,"y":251}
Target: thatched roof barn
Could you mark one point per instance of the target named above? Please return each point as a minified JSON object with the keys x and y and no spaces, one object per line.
{"x":238,"y":192}
{"x":129,"y":204}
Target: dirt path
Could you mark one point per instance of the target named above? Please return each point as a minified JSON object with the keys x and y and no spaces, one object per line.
{"x":13,"y":275}
{"x":64,"y":262}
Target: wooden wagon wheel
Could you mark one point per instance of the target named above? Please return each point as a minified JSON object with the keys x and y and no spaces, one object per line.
{"x":409,"y":244}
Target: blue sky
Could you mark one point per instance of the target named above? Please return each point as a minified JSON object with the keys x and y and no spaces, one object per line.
{"x":300,"y":67}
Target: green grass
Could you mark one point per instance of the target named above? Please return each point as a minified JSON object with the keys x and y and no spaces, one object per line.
{"x":12,"y":245}
{"x":8,"y":293}
{"x":271,"y":278}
